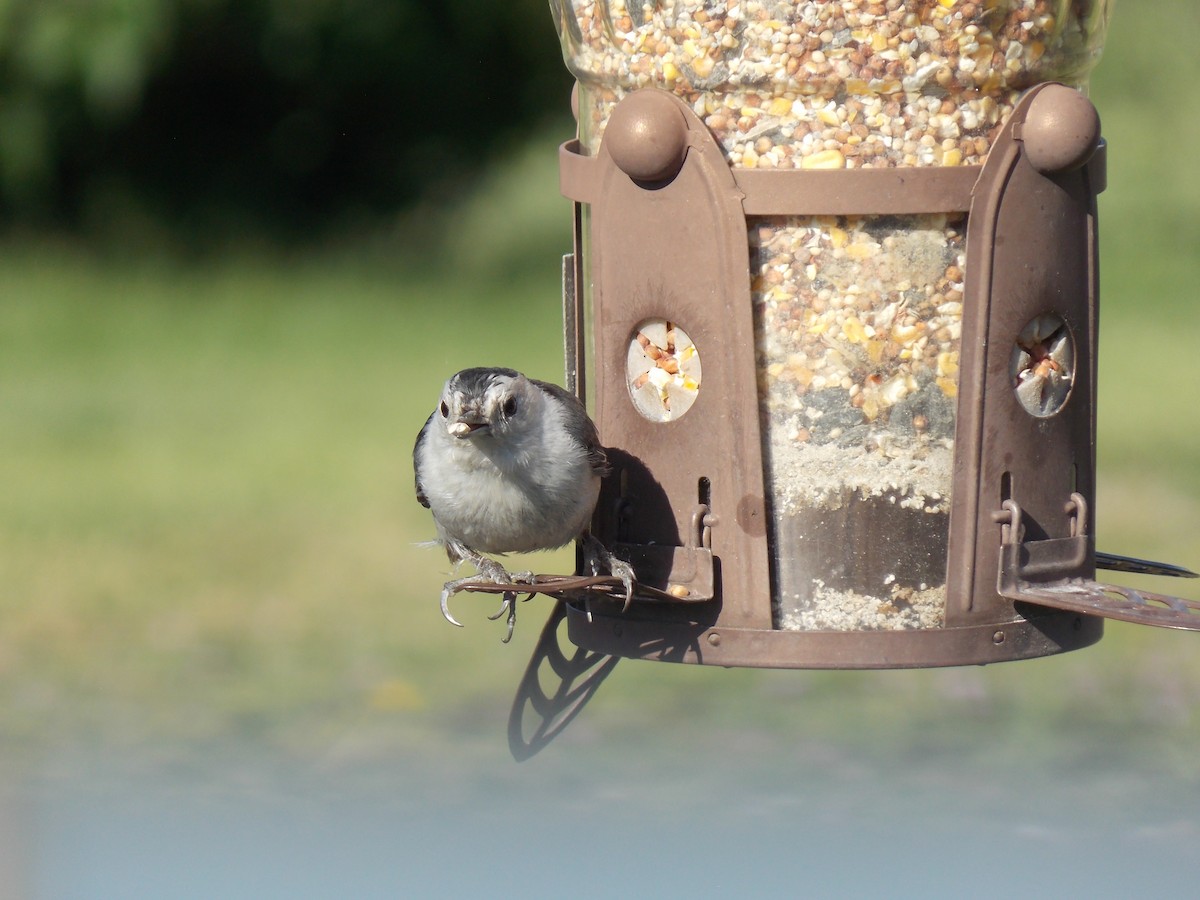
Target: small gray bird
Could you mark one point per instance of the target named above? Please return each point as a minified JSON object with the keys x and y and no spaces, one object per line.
{"x":510,"y":464}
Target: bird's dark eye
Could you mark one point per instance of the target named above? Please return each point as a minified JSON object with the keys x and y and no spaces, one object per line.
{"x":510,"y":406}
{"x":444,"y":409}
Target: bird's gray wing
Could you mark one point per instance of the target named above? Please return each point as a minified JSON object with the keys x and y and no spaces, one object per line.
{"x":421,"y":498}
{"x":580,"y":423}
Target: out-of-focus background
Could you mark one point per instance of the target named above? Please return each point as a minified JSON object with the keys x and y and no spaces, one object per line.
{"x":242,"y":242}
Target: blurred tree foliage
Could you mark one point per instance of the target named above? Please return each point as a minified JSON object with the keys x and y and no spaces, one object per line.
{"x":298,"y":116}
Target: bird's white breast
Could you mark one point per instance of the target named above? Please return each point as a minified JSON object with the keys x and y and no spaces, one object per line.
{"x":527,"y":491}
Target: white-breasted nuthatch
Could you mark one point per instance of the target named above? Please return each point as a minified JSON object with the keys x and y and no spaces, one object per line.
{"x":510,"y":464}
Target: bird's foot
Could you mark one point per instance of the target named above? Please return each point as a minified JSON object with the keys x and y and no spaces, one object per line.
{"x":509,"y":604}
{"x":492,"y":572}
{"x":489,"y":570}
{"x":598,"y":558}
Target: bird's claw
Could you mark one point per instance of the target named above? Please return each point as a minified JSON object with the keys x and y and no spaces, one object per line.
{"x":448,"y":590}
{"x":618,"y":568}
{"x":496,"y":574}
{"x":507,"y":605}
{"x":599,"y":557}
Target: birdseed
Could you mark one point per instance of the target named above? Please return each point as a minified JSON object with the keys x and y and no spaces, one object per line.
{"x":858,"y":326}
{"x":818,"y":84}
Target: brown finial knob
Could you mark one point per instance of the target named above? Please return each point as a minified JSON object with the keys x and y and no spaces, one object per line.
{"x":1061,"y":130}
{"x":647,"y":136}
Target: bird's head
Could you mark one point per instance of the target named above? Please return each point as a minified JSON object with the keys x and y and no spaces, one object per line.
{"x":486,"y":402}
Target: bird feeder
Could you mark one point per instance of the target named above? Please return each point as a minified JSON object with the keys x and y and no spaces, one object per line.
{"x":833,"y":306}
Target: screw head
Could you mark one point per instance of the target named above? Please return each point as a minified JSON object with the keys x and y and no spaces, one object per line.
{"x":1061,"y":130}
{"x":647,"y":136}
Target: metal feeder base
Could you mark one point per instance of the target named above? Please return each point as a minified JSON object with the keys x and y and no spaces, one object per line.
{"x":1041,"y":634}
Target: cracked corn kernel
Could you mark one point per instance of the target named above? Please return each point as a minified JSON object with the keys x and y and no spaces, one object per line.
{"x":825,"y":159}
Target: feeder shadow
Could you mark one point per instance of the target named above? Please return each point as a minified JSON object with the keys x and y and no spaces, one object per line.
{"x":633,"y":507}
{"x":578,"y":677}
{"x":679,"y":648}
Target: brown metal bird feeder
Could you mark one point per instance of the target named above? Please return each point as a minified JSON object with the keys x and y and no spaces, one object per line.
{"x":833,"y":304}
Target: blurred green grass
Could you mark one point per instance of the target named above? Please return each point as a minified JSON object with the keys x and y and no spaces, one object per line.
{"x":207,"y":522}
{"x":208,"y":515}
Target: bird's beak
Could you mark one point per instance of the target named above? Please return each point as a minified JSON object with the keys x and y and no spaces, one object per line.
{"x":462,"y":429}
